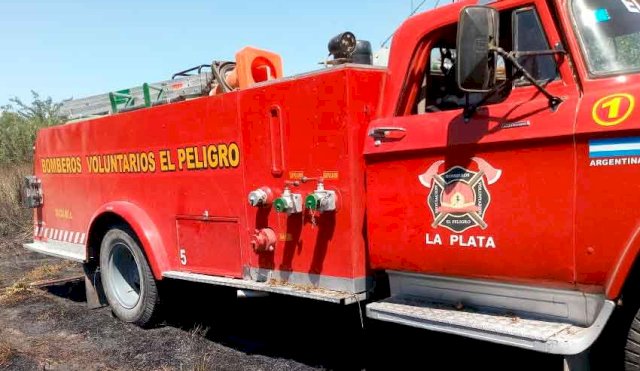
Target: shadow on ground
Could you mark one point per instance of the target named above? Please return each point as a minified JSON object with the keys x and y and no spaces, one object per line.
{"x":329,"y":336}
{"x":206,"y":328}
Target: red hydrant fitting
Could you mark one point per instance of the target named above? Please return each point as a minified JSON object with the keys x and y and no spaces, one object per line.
{"x":263,"y":240}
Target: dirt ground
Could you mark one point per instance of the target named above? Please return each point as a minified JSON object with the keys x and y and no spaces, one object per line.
{"x":208,"y":329}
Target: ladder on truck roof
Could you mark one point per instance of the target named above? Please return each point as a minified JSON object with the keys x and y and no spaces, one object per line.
{"x":190,"y":83}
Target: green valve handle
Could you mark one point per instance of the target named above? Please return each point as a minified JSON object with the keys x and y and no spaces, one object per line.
{"x":312,"y":201}
{"x":280,"y":204}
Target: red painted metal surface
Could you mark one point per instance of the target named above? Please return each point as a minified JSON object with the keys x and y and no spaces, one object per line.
{"x":195,"y":203}
{"x":536,"y":209}
{"x":607,"y":216}
{"x":209,"y":245}
{"x":314,"y":127}
{"x":530,"y":214}
{"x":607,"y":223}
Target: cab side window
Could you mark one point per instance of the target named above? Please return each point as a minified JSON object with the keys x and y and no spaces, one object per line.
{"x":520,"y":31}
{"x":439,"y":90}
{"x":529,"y":36}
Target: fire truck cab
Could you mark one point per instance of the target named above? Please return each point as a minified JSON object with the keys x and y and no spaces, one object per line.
{"x":487,"y":175}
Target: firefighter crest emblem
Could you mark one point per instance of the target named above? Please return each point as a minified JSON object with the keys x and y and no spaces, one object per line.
{"x":459,"y":197}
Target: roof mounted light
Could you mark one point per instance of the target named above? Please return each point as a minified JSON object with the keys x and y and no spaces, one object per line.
{"x":342,"y":45}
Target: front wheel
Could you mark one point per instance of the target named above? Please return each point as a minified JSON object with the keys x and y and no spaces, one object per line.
{"x":128,"y":282}
{"x":632,"y":347}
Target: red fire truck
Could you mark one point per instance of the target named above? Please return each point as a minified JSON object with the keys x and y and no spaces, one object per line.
{"x":486,"y":176}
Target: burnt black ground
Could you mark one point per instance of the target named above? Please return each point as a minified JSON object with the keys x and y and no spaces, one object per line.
{"x":207,"y":329}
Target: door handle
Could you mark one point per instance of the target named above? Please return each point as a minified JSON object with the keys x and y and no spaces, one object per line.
{"x":386,"y":133}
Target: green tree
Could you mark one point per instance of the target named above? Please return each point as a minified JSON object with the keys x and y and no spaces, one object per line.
{"x":19,"y":123}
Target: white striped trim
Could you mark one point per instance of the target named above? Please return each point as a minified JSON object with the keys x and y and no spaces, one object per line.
{"x":59,"y":234}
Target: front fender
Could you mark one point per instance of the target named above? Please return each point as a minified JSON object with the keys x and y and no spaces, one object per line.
{"x":144,"y":228}
{"x":618,"y":275}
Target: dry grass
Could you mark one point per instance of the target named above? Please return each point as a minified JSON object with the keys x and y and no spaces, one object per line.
{"x":16,"y":228}
{"x":202,"y":359}
{"x":47,"y":271}
{"x":15,"y":293}
{"x":203,"y":362}
{"x":198,"y":331}
{"x":22,"y":288}
{"x":15,"y":221}
{"x":6,"y":353}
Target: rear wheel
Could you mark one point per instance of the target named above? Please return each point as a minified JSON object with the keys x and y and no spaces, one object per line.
{"x":128,"y":282}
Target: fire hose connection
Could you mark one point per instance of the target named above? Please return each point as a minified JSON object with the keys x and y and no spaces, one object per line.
{"x":260,"y":197}
{"x":263,"y":240}
{"x":321,"y":200}
{"x":290,"y":203}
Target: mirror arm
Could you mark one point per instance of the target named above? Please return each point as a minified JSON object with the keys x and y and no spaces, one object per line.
{"x":553,"y":100}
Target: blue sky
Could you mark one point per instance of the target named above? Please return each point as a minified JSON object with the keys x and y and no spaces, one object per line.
{"x":67,"y":48}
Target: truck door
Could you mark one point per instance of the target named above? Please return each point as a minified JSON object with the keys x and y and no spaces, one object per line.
{"x":491,"y":196}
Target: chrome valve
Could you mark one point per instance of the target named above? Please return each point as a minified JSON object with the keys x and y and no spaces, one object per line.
{"x":260,"y":197}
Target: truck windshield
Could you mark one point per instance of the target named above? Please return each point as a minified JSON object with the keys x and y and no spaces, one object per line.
{"x":610,"y":34}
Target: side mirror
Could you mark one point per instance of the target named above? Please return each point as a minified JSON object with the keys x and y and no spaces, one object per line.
{"x":477,"y":35}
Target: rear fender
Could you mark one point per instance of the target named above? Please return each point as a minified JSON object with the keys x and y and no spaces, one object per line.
{"x":144,"y":228}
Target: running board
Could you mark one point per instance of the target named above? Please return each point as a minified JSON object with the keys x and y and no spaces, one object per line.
{"x":533,"y":334}
{"x":307,"y":292}
{"x":59,"y":249}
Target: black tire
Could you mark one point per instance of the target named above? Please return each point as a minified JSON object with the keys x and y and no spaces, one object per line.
{"x":632,"y":347}
{"x":127,"y":279}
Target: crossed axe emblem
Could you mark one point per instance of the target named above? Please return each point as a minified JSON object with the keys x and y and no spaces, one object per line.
{"x":457,"y":190}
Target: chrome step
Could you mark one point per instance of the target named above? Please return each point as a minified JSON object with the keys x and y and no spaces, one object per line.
{"x":59,"y":249}
{"x":527,"y":333}
{"x":276,"y":287}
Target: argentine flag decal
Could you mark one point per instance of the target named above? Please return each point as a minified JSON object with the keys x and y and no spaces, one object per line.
{"x":619,"y":147}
